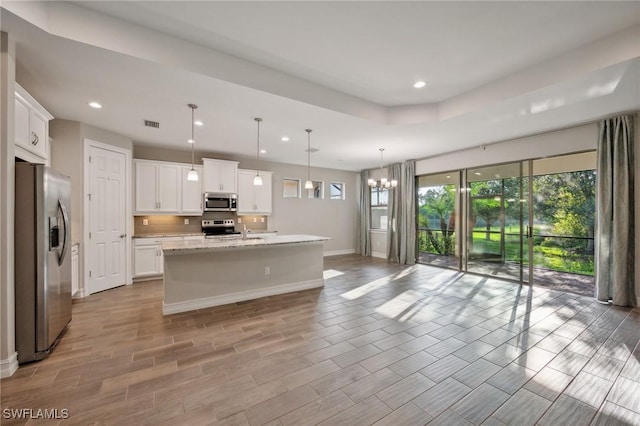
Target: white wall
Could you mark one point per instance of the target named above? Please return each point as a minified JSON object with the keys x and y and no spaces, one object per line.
{"x":378,"y":243}
{"x":575,"y":139}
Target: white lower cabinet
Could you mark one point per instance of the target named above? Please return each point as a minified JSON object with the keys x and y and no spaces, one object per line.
{"x":148,"y":260}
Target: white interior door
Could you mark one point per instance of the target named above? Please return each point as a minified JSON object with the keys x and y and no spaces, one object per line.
{"x":107,"y":219}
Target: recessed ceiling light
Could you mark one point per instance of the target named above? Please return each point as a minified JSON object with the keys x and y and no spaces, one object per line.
{"x":198,"y":123}
{"x":263,"y":151}
{"x":448,"y":177}
{"x":285,"y":139}
{"x":419,"y":84}
{"x":477,"y":173}
{"x":94,"y":104}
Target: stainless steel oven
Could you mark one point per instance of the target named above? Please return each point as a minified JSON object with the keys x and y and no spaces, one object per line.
{"x":220,"y":202}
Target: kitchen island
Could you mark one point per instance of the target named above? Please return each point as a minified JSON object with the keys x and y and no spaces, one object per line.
{"x":212,"y":272}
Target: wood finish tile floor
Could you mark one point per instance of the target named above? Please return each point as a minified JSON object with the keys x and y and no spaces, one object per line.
{"x":382,"y":344}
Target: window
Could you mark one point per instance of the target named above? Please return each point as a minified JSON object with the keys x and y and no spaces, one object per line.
{"x":317,"y":191}
{"x":379,"y":202}
{"x":337,"y":191}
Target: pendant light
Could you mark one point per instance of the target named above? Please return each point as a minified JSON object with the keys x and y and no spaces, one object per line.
{"x":257,"y":181}
{"x":193,"y":174}
{"x":308,"y":184}
{"x":384,"y":182}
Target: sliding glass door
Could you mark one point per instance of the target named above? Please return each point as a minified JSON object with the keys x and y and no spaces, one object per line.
{"x":438,"y":230}
{"x":526,"y":221}
{"x":497,"y":242}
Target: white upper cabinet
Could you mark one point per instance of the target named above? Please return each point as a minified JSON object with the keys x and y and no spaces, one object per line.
{"x":220,"y":176}
{"x":31,"y":128}
{"x":169,"y":188}
{"x":192,"y":192}
{"x":254,"y":200}
{"x":158,"y":187}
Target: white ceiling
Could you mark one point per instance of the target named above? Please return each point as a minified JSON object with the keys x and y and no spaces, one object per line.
{"x":344,"y":69}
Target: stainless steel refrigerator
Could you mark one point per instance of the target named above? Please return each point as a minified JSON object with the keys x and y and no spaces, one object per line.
{"x":42,"y":259}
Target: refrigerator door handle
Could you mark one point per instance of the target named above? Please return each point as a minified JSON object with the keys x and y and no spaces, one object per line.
{"x":65,"y":219}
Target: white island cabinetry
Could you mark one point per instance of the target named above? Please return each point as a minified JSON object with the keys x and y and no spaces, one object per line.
{"x":252,"y":199}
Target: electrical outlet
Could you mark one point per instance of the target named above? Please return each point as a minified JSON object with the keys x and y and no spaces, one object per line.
{"x":262,"y":219}
{"x":145,"y":222}
{"x":255,"y":219}
{"x":239,"y":220}
{"x":267,"y":270}
{"x":186,"y":221}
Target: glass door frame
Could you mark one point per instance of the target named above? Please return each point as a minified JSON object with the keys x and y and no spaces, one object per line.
{"x":525,"y":215}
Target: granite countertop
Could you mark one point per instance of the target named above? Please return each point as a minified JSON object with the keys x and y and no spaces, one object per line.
{"x":178,"y":247}
{"x":169,"y":234}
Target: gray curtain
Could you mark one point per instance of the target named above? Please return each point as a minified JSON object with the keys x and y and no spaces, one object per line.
{"x":394,"y":212}
{"x":615,"y":254}
{"x":407,"y":222}
{"x":363,"y":240}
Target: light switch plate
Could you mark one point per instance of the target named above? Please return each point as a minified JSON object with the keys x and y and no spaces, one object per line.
{"x":145,"y":222}
{"x":186,"y":221}
{"x":239,"y":220}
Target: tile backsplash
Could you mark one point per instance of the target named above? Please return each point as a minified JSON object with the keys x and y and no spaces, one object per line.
{"x":175,"y":224}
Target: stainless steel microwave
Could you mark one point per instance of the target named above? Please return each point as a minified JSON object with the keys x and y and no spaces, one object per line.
{"x":219,"y":202}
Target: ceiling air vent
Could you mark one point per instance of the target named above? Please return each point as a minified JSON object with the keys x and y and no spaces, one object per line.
{"x":153,"y":124}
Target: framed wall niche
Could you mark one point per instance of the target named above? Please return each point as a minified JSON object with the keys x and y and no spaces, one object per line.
{"x":317,"y":191}
{"x":291,"y":188}
{"x":336,"y":191}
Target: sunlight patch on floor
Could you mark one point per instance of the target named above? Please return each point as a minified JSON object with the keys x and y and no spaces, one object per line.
{"x":399,"y":304}
{"x":368,"y":287}
{"x":380,"y":282}
{"x":331,"y":273}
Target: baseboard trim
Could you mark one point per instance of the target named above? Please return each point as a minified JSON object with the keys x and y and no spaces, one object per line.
{"x":207,"y":302}
{"x":79,"y":294}
{"x":379,"y":254}
{"x":9,"y":366}
{"x":338,"y":252}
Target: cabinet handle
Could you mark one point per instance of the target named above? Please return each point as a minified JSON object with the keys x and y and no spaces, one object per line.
{"x":35,"y":139}
{"x":123,"y":235}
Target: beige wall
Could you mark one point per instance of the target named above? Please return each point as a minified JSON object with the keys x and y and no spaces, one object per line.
{"x":8,"y":356}
{"x":325,"y":217}
{"x":67,"y":156}
{"x":637,"y":207}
